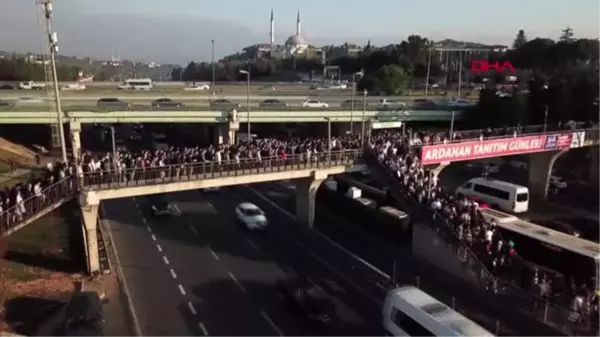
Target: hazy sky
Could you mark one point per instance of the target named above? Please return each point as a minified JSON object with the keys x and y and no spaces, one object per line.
{"x":180,"y":30}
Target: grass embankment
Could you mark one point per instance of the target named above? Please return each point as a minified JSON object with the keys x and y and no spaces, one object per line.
{"x":41,"y":262}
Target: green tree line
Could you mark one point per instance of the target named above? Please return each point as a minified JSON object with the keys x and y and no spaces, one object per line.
{"x":19,"y":69}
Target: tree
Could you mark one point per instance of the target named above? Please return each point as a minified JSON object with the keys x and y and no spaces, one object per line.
{"x":520,"y":40}
{"x":567,"y":35}
{"x":392,"y":79}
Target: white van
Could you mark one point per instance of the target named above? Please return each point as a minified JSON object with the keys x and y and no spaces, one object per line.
{"x":137,"y":84}
{"x":409,"y":311}
{"x":499,"y":194}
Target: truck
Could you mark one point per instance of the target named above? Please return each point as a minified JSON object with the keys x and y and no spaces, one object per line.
{"x":31,"y":85}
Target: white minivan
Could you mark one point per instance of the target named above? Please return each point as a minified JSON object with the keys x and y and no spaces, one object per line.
{"x":499,"y":194}
{"x":137,"y":84}
{"x":409,"y":311}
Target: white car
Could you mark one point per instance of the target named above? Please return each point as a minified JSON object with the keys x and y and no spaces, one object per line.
{"x":251,"y":216}
{"x":391,"y":103}
{"x":198,"y":87}
{"x":558,"y":182}
{"x":74,"y":87}
{"x":313,"y":103}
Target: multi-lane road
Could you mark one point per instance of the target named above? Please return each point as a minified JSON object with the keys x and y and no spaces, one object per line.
{"x":200,"y":272}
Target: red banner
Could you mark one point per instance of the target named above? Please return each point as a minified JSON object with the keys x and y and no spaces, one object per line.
{"x":434,"y":154}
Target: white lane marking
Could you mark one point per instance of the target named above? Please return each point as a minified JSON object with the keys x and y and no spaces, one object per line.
{"x":271,"y":323}
{"x":203,"y":328}
{"x":213,"y":253}
{"x":252,"y":244}
{"x":325,"y":263}
{"x":237,"y":282}
{"x":166,"y":260}
{"x":173,"y":273}
{"x":144,"y":220}
{"x":136,"y":322}
{"x":337,"y":245}
{"x":193,"y":311}
{"x":177,"y":209}
{"x":193,"y":229}
{"x":181,"y":290}
{"x":153,"y":237}
{"x":159,"y":248}
{"x":149,"y":229}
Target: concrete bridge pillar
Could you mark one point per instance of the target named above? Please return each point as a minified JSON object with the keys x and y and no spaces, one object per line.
{"x":306,"y":191}
{"x":540,"y":169}
{"x":75,"y":131}
{"x":89,"y":213}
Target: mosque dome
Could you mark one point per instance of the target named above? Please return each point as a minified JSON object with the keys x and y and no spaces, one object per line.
{"x":295,"y":40}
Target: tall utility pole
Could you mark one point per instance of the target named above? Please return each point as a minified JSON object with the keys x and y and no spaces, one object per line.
{"x":212,"y":87}
{"x":53,"y":47}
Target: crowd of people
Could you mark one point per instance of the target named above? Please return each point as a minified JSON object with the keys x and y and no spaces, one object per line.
{"x":480,"y":239}
{"x":26,"y":199}
{"x":399,"y":151}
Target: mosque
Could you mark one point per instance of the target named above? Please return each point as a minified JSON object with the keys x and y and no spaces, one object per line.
{"x":294,"y":45}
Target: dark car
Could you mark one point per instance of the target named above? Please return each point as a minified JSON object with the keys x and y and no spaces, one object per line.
{"x":6,"y":87}
{"x":166,"y":103}
{"x":160,"y":207}
{"x":272,"y":103}
{"x":6,"y":104}
{"x":224,"y":104}
{"x":308,"y":299}
{"x":424,"y":103}
{"x":112,"y":104}
{"x":84,"y":315}
{"x":347,"y":104}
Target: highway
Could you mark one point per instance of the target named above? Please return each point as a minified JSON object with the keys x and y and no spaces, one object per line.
{"x":199,"y":273}
{"x":383,"y":252}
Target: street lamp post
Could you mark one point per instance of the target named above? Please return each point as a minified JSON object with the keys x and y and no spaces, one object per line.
{"x":352,"y":99}
{"x":53,"y":46}
{"x":452,"y":126}
{"x":114,"y":147}
{"x":428,"y":70}
{"x":328,"y":139}
{"x":247,"y":72}
{"x":212,"y":45}
{"x":362,"y":132}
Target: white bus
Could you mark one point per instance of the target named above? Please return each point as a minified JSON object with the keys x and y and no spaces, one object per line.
{"x":137,"y":84}
{"x":499,"y":194}
{"x":409,"y":311}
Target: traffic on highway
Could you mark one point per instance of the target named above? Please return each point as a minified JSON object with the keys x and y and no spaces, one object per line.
{"x":33,"y":103}
{"x":192,"y":259}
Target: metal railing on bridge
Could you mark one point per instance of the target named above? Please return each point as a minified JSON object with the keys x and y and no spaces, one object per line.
{"x":542,"y":309}
{"x":37,"y":205}
{"x":213,"y":170}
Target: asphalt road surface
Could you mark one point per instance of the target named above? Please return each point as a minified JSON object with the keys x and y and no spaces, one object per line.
{"x":382,"y":253}
{"x":200,"y":273}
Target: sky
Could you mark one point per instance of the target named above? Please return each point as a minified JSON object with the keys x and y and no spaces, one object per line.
{"x":177,"y":31}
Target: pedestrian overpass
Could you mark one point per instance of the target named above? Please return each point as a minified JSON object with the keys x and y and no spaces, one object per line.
{"x":91,"y":188}
{"x":307,"y":173}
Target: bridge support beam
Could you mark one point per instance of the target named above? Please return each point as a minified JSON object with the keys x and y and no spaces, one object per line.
{"x":306,"y":191}
{"x":89,"y":215}
{"x":540,"y":169}
{"x":75,"y":131}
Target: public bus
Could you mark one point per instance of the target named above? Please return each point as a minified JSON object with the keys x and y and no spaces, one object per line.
{"x":137,"y":84}
{"x":409,"y":311}
{"x":567,"y":254}
{"x":499,"y":194}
